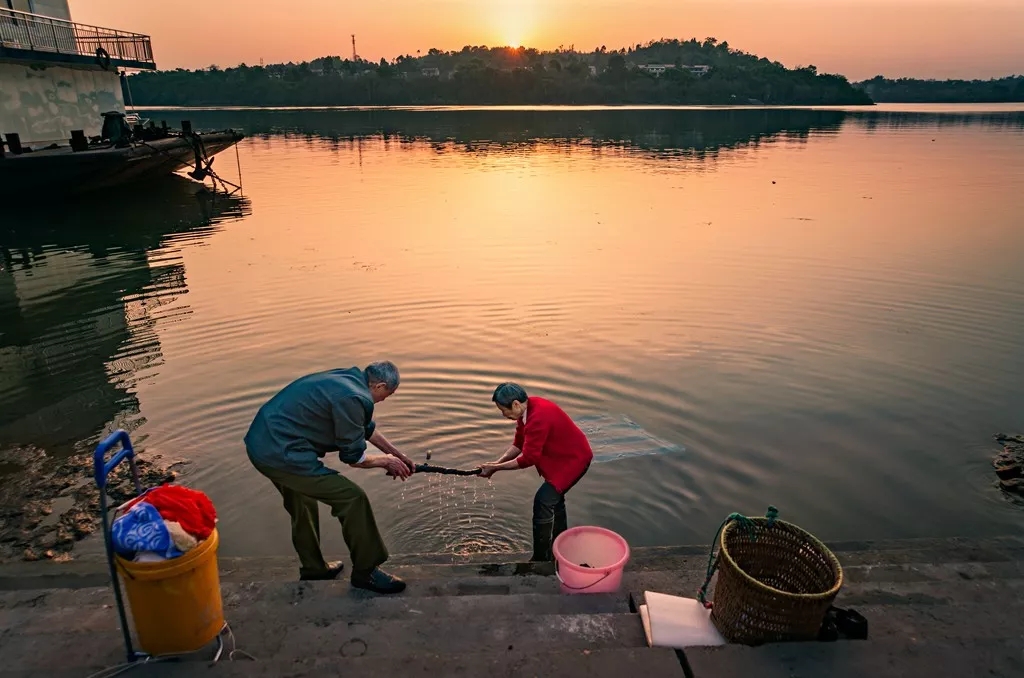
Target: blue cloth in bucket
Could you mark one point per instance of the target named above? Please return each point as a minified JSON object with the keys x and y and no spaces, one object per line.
{"x":142,"y":529}
{"x":617,"y":437}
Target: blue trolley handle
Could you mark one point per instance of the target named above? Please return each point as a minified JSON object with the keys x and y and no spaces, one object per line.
{"x":102,"y":469}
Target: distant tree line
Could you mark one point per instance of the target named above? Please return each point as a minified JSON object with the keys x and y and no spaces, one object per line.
{"x":908,"y":90}
{"x":698,"y":72}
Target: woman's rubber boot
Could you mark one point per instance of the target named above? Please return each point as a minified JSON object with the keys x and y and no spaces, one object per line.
{"x":542,"y":543}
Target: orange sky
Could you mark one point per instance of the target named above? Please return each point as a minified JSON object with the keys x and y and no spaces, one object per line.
{"x":859,"y":38}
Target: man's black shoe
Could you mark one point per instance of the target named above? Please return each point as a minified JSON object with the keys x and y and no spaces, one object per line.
{"x":378,"y":581}
{"x":332,"y":572}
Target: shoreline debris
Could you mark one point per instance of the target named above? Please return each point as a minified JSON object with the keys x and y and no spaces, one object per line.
{"x":1009,"y":464}
{"x":49,"y":503}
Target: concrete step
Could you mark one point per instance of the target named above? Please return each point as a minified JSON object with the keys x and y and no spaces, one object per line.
{"x":921,"y":598}
{"x":888,"y":658}
{"x":914,"y":582}
{"x":93,"y":607}
{"x":600,"y":663}
{"x":90,"y":570}
{"x":384,"y":639}
{"x":323,"y":606}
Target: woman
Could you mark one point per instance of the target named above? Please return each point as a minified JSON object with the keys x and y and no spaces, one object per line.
{"x":549,"y":440}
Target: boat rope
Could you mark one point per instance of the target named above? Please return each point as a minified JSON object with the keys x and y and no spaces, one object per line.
{"x":203,"y":162}
{"x":128,"y":90}
{"x":744,"y":523}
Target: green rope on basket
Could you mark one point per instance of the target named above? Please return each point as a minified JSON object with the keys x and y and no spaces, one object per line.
{"x":744,"y":522}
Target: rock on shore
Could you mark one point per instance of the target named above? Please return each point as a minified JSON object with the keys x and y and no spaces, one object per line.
{"x":1009,"y":465}
{"x":48,"y":503}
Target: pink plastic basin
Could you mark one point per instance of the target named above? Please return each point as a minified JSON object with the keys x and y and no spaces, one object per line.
{"x":590,"y":560}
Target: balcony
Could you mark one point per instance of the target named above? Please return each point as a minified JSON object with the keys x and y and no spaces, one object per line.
{"x":34,"y":37}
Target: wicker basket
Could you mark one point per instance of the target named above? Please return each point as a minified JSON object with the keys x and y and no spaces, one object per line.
{"x":775,"y":582}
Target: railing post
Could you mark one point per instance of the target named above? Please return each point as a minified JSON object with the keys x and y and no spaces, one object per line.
{"x":56,"y":42}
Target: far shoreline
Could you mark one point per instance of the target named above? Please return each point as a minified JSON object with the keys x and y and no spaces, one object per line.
{"x":879,"y":107}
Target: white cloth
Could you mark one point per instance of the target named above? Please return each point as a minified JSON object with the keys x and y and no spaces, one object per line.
{"x":678,"y":622}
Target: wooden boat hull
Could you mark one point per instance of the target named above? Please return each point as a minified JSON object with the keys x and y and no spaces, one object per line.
{"x":61,"y":171}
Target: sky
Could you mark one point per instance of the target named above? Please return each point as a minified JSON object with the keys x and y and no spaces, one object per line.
{"x":858,"y":38}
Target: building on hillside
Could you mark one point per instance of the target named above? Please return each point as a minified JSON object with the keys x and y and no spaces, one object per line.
{"x":431,"y":72}
{"x":655,"y":69}
{"x":593,"y":71}
{"x":659,"y":69}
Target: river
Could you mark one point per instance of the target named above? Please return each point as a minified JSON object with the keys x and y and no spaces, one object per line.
{"x":823,"y":308}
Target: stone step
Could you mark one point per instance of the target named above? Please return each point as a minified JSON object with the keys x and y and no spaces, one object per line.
{"x":894,"y":585}
{"x":927,"y":585}
{"x":384,"y":639}
{"x":517,"y":663}
{"x":90,"y":570}
{"x":323,"y":605}
{"x":889,"y":658}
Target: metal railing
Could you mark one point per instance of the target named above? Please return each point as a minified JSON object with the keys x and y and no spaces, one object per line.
{"x":34,"y":32}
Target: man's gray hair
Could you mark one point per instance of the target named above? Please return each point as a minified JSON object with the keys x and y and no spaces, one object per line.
{"x":508,"y":393}
{"x":383,"y":372}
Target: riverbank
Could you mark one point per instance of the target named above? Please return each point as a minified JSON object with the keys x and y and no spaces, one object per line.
{"x":935,"y":607}
{"x":48,"y":503}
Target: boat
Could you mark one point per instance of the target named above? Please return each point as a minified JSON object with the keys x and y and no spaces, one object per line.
{"x":64,"y":127}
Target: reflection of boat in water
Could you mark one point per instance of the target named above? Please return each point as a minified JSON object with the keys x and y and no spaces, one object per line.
{"x":171,"y":206}
{"x":81,"y":292}
{"x":56,"y":77}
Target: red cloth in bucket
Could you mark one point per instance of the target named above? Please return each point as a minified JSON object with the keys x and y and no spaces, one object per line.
{"x":192,"y":509}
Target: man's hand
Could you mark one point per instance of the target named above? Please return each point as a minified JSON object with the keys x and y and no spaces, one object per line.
{"x":397,"y":468}
{"x":408,"y":462}
{"x":384,"y":445}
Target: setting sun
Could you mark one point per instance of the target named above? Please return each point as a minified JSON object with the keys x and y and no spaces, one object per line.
{"x":513,"y":22}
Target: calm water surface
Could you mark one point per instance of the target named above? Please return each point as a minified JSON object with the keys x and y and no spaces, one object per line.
{"x":825,"y":308}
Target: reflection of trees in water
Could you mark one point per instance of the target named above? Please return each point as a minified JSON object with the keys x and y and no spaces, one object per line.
{"x":1009,"y":120}
{"x":664,"y":130}
{"x":667,"y":131}
{"x":78,"y":291}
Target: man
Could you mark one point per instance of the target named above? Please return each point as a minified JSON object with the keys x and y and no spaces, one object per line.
{"x":546,"y":438}
{"x":330,"y":412}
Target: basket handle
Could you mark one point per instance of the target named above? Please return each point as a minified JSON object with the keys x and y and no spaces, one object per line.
{"x":702,"y":596}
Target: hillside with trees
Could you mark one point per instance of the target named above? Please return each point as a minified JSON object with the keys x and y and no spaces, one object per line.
{"x":909,"y":90}
{"x":660,"y":72}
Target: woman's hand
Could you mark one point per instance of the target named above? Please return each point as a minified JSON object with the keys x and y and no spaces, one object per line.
{"x":489,"y":469}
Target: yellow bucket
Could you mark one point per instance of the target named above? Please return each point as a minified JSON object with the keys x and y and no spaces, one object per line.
{"x":175,"y":603}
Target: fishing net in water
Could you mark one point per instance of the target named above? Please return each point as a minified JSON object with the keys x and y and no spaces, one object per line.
{"x":617,"y":437}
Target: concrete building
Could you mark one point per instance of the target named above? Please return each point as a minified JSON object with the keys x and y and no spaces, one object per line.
{"x":431,"y":72}
{"x":659,"y":69}
{"x":57,"y":76}
{"x":655,"y":69}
